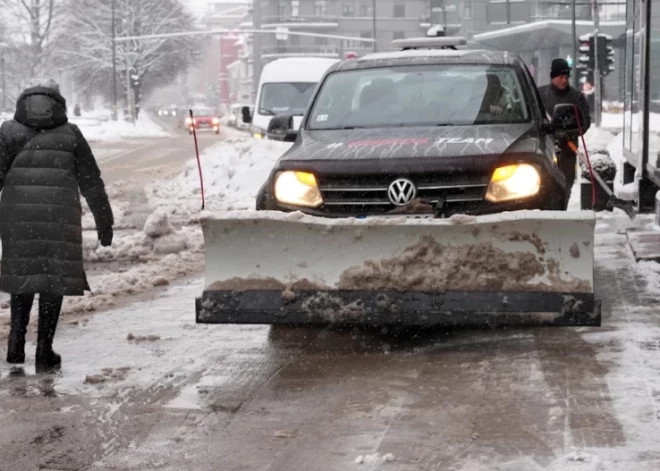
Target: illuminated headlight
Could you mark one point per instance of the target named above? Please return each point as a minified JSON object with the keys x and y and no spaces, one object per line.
{"x":216,"y":121}
{"x":258,"y":135}
{"x":298,"y":188}
{"x":513,"y":182}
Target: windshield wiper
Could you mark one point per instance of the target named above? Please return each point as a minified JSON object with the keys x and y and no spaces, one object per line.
{"x":267,"y":112}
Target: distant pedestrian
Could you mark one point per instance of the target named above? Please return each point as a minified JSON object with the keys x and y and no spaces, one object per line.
{"x":76,"y":110}
{"x":559,"y":91}
{"x":45,"y":164}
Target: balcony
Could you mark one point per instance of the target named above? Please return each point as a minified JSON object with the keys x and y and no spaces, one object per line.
{"x":300,"y":22}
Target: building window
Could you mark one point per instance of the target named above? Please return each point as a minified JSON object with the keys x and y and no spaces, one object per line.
{"x":282,"y":10}
{"x":508,"y":11}
{"x":398,"y":35}
{"x":400,"y":10}
{"x":467,"y":9}
{"x":364,"y":10}
{"x":321,"y":8}
{"x":321,"y":41}
{"x":366,"y":34}
{"x":519,"y":11}
{"x":496,"y":12}
{"x":348,"y":10}
{"x":295,"y":8}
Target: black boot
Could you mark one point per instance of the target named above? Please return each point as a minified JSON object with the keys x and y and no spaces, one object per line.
{"x":21,"y":305}
{"x":49,"y":314}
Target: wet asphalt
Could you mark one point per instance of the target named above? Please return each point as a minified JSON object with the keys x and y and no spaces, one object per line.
{"x":143,"y":387}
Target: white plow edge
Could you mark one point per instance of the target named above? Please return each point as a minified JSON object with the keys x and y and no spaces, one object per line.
{"x":293,"y":246}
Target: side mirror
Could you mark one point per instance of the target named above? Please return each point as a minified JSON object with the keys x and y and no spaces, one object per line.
{"x":280,"y":128}
{"x":247,"y":116}
{"x":567,"y":118}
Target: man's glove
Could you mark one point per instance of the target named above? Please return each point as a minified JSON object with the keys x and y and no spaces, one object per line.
{"x":105,"y":236}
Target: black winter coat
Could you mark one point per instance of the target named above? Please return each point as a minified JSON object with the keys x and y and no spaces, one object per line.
{"x":553,"y":96}
{"x":45,"y":163}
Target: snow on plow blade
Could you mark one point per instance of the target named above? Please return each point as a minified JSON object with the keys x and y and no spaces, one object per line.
{"x":523,"y":267}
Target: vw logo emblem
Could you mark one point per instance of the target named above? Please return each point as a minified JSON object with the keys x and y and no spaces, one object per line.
{"x":401,"y":192}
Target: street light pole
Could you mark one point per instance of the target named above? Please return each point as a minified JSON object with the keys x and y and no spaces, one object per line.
{"x":575,"y":46}
{"x":4,"y":85}
{"x":374,"y":27}
{"x":114,"y":65}
{"x":597,"y":77}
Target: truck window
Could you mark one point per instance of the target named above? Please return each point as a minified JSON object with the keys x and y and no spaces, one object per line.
{"x":285,"y":98}
{"x":420,"y":95}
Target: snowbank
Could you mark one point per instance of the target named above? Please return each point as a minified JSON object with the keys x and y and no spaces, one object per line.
{"x":99,"y":127}
{"x":233,"y":170}
{"x":615,"y":121}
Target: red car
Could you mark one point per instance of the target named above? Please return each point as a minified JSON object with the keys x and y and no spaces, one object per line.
{"x":203,"y":119}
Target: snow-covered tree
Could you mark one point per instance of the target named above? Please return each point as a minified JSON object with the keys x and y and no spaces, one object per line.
{"x":157,"y":61}
{"x":29,"y":28}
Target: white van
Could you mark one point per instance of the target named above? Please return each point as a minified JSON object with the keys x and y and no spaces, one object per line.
{"x":286,"y":87}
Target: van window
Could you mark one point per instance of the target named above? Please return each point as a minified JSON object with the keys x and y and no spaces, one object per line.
{"x":285,"y":98}
{"x":420,"y":95}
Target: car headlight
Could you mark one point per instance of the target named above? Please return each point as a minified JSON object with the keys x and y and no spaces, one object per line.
{"x":298,"y":188}
{"x":216,"y":121}
{"x":513,"y":182}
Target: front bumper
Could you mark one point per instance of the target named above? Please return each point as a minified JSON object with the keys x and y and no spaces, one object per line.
{"x":378,"y":308}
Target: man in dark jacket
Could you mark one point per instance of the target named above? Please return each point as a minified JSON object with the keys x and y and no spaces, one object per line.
{"x":559,"y":91}
{"x":45,"y":164}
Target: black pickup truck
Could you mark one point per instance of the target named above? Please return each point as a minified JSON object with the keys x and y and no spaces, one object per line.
{"x":429,"y":131}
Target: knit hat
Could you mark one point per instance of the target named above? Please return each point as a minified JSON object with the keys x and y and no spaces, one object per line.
{"x":559,"y":67}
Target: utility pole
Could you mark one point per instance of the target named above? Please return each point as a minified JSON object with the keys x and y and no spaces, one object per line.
{"x":374,"y":27}
{"x":597,"y":77}
{"x":114,"y":65}
{"x":574,"y":73}
{"x":256,"y":45}
{"x":4,"y":84}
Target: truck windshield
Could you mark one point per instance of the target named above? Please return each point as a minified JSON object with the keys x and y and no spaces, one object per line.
{"x":420,"y":95}
{"x":285,"y":98}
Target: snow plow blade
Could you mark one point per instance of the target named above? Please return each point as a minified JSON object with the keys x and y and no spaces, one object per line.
{"x":517,"y":268}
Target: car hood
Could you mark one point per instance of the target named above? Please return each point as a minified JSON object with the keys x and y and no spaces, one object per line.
{"x":398,"y":143}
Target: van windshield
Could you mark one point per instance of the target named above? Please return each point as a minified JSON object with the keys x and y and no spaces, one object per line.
{"x":285,"y":98}
{"x":420,"y":95}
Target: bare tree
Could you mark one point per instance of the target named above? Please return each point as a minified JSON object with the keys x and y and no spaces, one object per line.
{"x":157,"y":61}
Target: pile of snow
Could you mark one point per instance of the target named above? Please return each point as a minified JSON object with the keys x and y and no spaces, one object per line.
{"x":99,"y":127}
{"x":233,"y":171}
{"x":599,"y":142}
{"x":375,"y":459}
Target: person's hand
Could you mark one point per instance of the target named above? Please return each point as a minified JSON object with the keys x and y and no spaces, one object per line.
{"x":105,"y":236}
{"x":496,"y":109}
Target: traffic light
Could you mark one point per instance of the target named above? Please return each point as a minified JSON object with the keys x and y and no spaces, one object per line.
{"x":605,"y":54}
{"x":586,"y":60}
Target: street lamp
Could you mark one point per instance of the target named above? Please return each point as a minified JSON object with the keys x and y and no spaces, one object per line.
{"x":3,"y":47}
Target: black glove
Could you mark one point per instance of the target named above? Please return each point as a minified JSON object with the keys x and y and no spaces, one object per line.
{"x":105,"y":236}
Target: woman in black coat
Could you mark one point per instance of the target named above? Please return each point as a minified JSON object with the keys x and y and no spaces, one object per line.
{"x":45,"y":164}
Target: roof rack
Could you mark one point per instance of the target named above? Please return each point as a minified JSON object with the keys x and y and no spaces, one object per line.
{"x":430,"y":43}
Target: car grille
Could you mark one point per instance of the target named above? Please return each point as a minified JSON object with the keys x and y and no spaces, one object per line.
{"x":370,"y":191}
